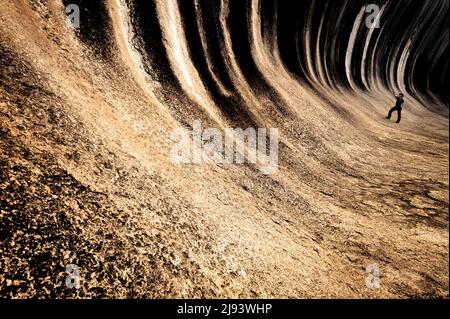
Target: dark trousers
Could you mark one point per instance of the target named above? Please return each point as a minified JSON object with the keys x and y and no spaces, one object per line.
{"x":399,"y":113}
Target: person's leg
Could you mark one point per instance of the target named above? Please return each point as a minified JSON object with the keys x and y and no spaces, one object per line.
{"x":390,"y":112}
{"x":399,"y":115}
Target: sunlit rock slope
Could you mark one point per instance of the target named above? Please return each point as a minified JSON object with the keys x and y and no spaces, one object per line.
{"x":86,"y":117}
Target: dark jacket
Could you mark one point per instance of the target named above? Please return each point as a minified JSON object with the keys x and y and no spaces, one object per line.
{"x":399,"y":102}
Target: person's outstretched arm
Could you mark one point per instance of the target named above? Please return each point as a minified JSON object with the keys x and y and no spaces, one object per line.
{"x":394,"y":94}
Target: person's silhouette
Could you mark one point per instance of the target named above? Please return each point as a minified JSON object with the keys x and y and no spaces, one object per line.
{"x":397,"y":107}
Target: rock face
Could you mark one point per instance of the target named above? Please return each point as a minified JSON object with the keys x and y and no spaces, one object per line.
{"x":86,"y":178}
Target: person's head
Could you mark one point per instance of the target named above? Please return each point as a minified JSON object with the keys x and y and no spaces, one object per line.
{"x":401,"y":94}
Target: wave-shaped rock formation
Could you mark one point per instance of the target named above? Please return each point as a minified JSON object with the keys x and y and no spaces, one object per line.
{"x":86,"y":119}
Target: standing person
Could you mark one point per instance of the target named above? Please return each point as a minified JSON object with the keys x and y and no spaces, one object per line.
{"x":398,"y":107}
